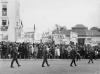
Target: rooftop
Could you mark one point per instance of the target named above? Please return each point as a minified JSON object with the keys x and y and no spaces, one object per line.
{"x":80,"y":33}
{"x":79,"y":26}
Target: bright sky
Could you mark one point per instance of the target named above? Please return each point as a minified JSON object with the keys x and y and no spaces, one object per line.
{"x":46,"y":13}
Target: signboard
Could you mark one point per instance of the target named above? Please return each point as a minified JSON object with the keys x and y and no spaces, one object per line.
{"x":66,"y":40}
{"x":73,"y":37}
{"x":88,"y":40}
{"x":92,"y":41}
{"x":95,"y":41}
{"x":57,"y":38}
{"x":61,"y":39}
{"x":46,"y":37}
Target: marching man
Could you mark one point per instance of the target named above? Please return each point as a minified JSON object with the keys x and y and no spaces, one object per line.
{"x":14,"y":56}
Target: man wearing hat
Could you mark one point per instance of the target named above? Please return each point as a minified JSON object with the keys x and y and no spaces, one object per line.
{"x":73,"y":54}
{"x":45,"y":56}
{"x":15,"y":53}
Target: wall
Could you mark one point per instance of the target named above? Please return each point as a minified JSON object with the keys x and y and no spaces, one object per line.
{"x":12,"y":16}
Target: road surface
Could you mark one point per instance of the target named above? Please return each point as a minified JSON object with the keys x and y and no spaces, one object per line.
{"x":57,"y":66}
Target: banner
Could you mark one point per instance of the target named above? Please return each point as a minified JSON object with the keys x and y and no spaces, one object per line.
{"x":60,"y":39}
{"x":66,"y":40}
{"x":73,"y":37}
{"x":56,"y":38}
{"x":88,"y":40}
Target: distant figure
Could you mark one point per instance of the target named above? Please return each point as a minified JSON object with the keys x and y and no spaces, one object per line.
{"x":69,"y":48}
{"x":57,"y":52}
{"x":73,"y":54}
{"x":78,"y":57}
{"x":45,"y":56}
{"x":15,"y":53}
{"x":96,"y":55}
{"x":91,"y":55}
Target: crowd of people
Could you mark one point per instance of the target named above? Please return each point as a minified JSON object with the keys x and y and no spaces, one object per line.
{"x":17,"y":50}
{"x":35,"y":50}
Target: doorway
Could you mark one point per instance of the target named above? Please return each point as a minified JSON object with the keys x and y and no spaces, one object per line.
{"x":81,"y":41}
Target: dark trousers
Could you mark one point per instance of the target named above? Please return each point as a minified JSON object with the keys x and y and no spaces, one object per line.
{"x":14,"y":59}
{"x":90,"y":60}
{"x":45,"y":61}
{"x":73,"y":61}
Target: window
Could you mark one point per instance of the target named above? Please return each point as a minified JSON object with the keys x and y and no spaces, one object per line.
{"x":5,"y":37}
{"x":4,"y":22}
{"x":4,"y":10}
{"x":4,"y":28}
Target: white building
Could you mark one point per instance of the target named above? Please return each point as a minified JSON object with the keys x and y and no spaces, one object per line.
{"x":10,"y":23}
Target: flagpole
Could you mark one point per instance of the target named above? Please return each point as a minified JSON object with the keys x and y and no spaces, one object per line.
{"x":34,"y":34}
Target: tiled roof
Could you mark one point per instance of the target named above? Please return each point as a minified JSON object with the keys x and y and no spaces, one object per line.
{"x":80,"y":32}
{"x":79,"y":26}
{"x":88,"y":33}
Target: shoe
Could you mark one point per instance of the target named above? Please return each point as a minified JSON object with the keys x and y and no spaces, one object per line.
{"x":12,"y":66}
{"x":48,"y":65}
{"x":71,"y":66}
{"x":75,"y":65}
{"x":43,"y":66}
{"x":19,"y":65}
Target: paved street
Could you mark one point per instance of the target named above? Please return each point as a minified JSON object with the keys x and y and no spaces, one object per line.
{"x":56,"y":67}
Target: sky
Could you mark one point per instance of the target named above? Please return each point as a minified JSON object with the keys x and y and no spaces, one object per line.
{"x":46,"y":13}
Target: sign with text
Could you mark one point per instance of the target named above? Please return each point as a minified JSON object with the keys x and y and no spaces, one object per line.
{"x":73,"y":37}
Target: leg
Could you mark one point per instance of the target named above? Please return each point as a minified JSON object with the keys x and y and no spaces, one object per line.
{"x":47,"y":62}
{"x":17,"y":62}
{"x":43,"y":62}
{"x":91,"y":60}
{"x":71,"y":62}
{"x":74,"y":62}
{"x":12,"y":62}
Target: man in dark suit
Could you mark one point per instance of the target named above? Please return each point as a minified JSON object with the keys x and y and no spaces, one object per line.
{"x":45,"y":56}
{"x":73,"y":54}
{"x":14,"y":52}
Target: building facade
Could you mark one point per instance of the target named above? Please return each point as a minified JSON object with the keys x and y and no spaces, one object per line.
{"x":84,"y":35}
{"x":10,"y":23}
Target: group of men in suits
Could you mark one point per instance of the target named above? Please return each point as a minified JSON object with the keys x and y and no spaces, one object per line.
{"x":73,"y":55}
